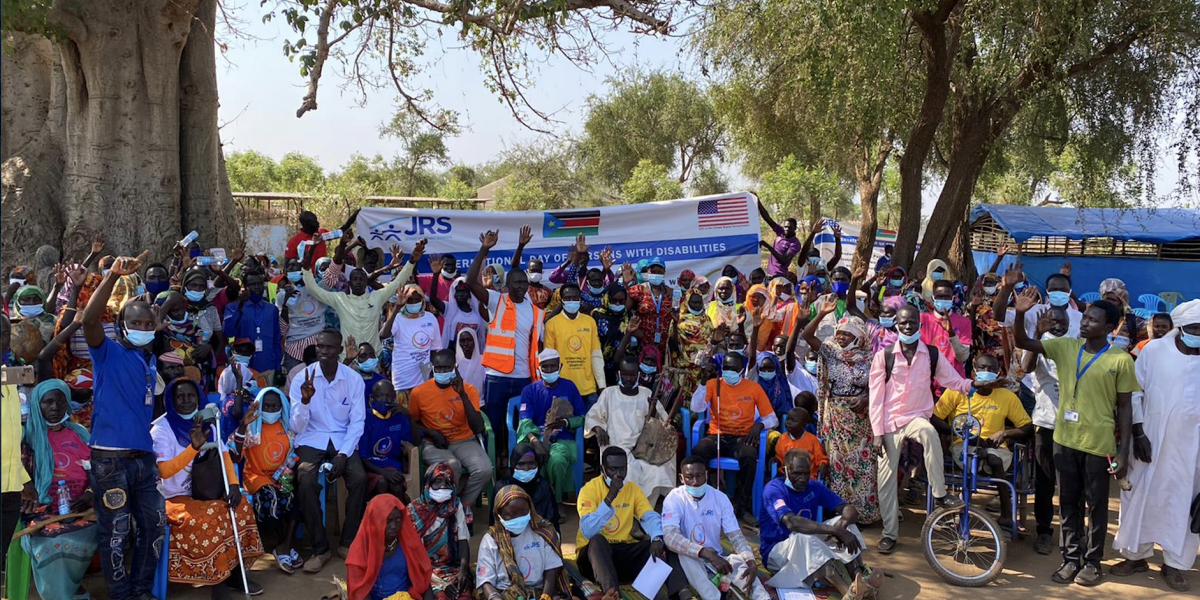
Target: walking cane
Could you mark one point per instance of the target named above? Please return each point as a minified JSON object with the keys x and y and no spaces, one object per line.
{"x":211,"y":411}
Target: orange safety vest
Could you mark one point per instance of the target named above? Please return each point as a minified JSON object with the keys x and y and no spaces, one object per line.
{"x":501,"y":351}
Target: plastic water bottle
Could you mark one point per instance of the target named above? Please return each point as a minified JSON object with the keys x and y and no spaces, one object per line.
{"x":64,"y":498}
{"x":209,"y":261}
{"x":330,"y":235}
{"x":189,"y":238}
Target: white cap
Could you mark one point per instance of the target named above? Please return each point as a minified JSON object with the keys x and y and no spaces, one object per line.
{"x":547,"y":354}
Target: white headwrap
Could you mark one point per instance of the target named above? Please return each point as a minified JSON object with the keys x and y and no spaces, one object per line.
{"x":547,"y":354}
{"x":1187,"y":313}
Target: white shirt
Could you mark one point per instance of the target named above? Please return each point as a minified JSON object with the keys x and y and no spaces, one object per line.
{"x":336,"y":412}
{"x":702,"y":521}
{"x":1045,"y":390}
{"x":167,"y":447}
{"x":226,"y":384}
{"x":524,"y":329}
{"x":801,"y":379}
{"x":413,"y":339}
{"x":534,"y":557}
{"x":1031,"y":319}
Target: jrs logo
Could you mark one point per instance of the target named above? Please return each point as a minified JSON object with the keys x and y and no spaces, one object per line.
{"x":410,"y":226}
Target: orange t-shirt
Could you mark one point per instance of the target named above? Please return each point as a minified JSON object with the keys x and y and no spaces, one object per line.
{"x":264,"y":459}
{"x":808,"y":443}
{"x":442,"y":409}
{"x":733,"y":414}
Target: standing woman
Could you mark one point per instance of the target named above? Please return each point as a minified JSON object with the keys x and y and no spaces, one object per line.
{"x":441,"y":523}
{"x":843,"y":374}
{"x":653,"y":302}
{"x":387,"y":560}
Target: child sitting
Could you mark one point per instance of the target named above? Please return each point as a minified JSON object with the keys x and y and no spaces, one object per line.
{"x":796,"y":437}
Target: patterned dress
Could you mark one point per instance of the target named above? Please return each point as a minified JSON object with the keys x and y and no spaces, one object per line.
{"x":655,"y":313}
{"x":847,"y":435}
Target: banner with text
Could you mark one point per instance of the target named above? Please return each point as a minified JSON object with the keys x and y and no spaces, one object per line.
{"x":702,"y":234}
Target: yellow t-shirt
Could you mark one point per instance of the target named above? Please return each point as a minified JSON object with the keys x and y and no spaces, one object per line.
{"x":575,"y":340}
{"x":991,"y":410}
{"x":630,"y":505}
{"x":14,"y":476}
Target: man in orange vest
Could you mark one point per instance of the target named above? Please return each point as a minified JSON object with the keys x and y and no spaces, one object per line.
{"x":514,"y":338}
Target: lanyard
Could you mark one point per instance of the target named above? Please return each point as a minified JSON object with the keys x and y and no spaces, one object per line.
{"x":1079,"y":373}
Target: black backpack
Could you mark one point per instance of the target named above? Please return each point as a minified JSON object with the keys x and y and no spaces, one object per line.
{"x":889,"y":362}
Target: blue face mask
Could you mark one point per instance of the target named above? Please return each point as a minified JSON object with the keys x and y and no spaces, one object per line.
{"x":516,"y":526}
{"x":841,"y":287}
{"x":731,"y":377}
{"x":936,"y":275}
{"x":413,"y":308}
{"x":1189,"y":340}
{"x":655,"y":278}
{"x":766,"y":375}
{"x":174,"y":321}
{"x":896,"y":282}
{"x":727,"y":301}
{"x":138,"y":337}
{"x":616,"y":307}
{"x":187,"y":416}
{"x":551,"y":377}
{"x":697,"y":491}
{"x":443,"y":378}
{"x":887,"y":322}
{"x":595,"y":291}
{"x":295,"y":276}
{"x":909,"y":339}
{"x":696,"y":312}
{"x":648,"y":369}
{"x":157,"y":287}
{"x":810,"y":366}
{"x":942,"y":306}
{"x":812,"y":260}
{"x":241,"y":359}
{"x":739,"y":351}
{"x":271,"y":418}
{"x":788,"y":482}
{"x":524,"y":475}
{"x":194,"y":295}
{"x":30,"y":310}
{"x":571,"y":306}
{"x":1020,"y":287}
{"x":1059,"y":298}
{"x":368,"y":366}
{"x":986,"y":376}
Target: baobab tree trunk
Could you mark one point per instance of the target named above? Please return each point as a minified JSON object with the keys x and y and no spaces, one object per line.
{"x":128,"y":147}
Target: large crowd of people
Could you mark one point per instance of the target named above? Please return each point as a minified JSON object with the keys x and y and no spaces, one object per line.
{"x":220,"y":409}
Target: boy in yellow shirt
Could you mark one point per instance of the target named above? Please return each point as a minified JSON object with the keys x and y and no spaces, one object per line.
{"x":994,"y":409}
{"x":575,"y":336}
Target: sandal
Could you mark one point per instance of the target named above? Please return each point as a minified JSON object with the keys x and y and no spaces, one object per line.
{"x":285,"y":563}
{"x":858,"y":589}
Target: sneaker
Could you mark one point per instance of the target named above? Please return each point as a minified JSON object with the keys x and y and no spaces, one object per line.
{"x":948,"y":501}
{"x":1089,"y":575}
{"x":316,"y":562}
{"x":1175,"y":579}
{"x":886,"y":545}
{"x":1126,"y":568}
{"x":1065,"y":574}
{"x":1041,"y":545}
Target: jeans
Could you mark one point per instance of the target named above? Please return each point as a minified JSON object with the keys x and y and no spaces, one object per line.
{"x":1082,"y":492}
{"x":11,"y":508}
{"x":1043,"y":483}
{"x":497,"y":391}
{"x":308,"y":495}
{"x":126,"y":489}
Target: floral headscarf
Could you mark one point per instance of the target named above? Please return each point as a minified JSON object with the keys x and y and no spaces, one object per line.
{"x":860,"y":350}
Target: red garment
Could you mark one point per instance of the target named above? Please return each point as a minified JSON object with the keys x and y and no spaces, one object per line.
{"x":70,"y":453}
{"x":366,"y":553}
{"x":318,"y":250}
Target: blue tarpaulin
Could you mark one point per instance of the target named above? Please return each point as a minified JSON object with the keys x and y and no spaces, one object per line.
{"x":1149,"y":225}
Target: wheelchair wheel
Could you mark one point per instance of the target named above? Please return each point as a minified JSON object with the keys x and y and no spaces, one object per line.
{"x":973,"y":560}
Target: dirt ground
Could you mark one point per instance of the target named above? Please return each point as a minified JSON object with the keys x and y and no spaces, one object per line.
{"x":1026,"y":573}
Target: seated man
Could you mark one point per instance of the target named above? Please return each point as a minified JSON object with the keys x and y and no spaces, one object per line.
{"x":796,"y":423}
{"x":446,"y":410}
{"x":608,"y":552}
{"x":536,"y":400}
{"x":706,"y":514}
{"x":801,"y":551}
{"x":386,"y":442}
{"x":740,"y":411}
{"x":992,"y":407}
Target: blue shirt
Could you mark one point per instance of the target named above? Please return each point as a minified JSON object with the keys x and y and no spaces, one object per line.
{"x":780,"y":500}
{"x":393,"y":576}
{"x":536,"y":399}
{"x":259,"y":322}
{"x":369,"y":382}
{"x":123,"y":396}
{"x":380,"y":442}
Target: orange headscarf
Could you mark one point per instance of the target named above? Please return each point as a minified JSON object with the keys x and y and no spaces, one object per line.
{"x":366,"y":553}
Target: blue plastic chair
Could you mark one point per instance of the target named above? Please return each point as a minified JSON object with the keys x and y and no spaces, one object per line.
{"x":1153,"y":303}
{"x":159,"y":590}
{"x":1089,"y":297}
{"x":730,"y":464}
{"x":321,"y":497}
{"x":1143,"y":313}
{"x":511,"y":420}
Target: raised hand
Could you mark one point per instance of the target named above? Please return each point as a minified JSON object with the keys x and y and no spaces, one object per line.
{"x":525,"y":236}
{"x":1026,"y":300}
{"x":307,"y":389}
{"x":251,"y":414}
{"x":351,"y":348}
{"x":98,"y":244}
{"x":606,"y":259}
{"x":818,"y":226}
{"x":860,"y":273}
{"x":1004,"y":249}
{"x":488,"y":239}
{"x":397,"y":254}
{"x":1013,"y":274}
{"x":829,"y":304}
{"x":1065,"y":269}
{"x":77,"y":275}
{"x":60,"y":274}
{"x":418,"y":251}
{"x":128,"y":266}
{"x":581,"y":243}
{"x":435,"y":263}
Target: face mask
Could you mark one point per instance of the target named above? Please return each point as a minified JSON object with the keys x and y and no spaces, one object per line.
{"x":105,"y":272}
{"x":1020,"y":287}
{"x":157,"y":287}
{"x":440,"y":496}
{"x":187,"y":416}
{"x":810,"y":366}
{"x":909,"y":339}
{"x":896,"y":282}
{"x":727,"y":301}
{"x":1189,"y":340}
{"x":550,"y":377}
{"x":785,"y":297}
{"x":295,"y":276}
{"x":194,"y":296}
{"x":616,"y":307}
{"x":443,"y":378}
{"x":766,"y":375}
{"x":627,"y":385}
{"x":989,"y":289}
{"x":21,"y":282}
{"x":369,"y":365}
{"x":648,"y":369}
{"x":571,"y":306}
{"x":986,"y":376}
{"x":943,"y":306}
{"x":841,"y":287}
{"x":138,"y":337}
{"x":887,"y":322}
{"x":413,"y":308}
{"x":812,"y":260}
{"x":449,"y":272}
{"x":731,"y":377}
{"x":1050,"y":336}
{"x":516,"y":526}
{"x":936,"y":275}
{"x":60,"y":421}
{"x":738,"y":351}
{"x":524,"y":475}
{"x":696,"y":491}
{"x":383,"y":407}
{"x":241,"y":359}
{"x":30,"y":310}
{"x":655,"y":278}
{"x":1059,"y":298}
{"x":271,"y":418}
{"x":695,"y":312}
{"x":535,"y":277}
{"x":595,"y":291}
{"x":788,"y":482}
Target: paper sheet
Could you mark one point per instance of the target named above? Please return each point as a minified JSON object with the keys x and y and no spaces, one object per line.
{"x":652,"y":577}
{"x":795,"y":594}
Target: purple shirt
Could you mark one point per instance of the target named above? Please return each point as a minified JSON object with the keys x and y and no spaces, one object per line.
{"x":787,"y":247}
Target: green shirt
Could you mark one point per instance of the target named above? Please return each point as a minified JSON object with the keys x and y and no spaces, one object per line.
{"x":1096,"y":400}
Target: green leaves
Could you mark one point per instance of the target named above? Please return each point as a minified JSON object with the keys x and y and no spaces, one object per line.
{"x":650,"y":182}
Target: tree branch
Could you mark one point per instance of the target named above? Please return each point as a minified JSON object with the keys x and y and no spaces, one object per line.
{"x":314,"y":74}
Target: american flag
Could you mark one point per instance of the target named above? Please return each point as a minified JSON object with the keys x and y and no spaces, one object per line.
{"x":722,"y":213}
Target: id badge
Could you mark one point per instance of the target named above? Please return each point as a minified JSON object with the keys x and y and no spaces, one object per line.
{"x":1071,"y":416}
{"x":258,"y":346}
{"x":149,"y":398}
{"x":657,"y":338}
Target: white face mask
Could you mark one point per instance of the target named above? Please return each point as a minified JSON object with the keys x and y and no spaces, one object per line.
{"x":440,"y":496}
{"x":535,"y":277}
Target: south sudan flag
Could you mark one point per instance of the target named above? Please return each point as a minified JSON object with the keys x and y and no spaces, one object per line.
{"x":571,"y":223}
